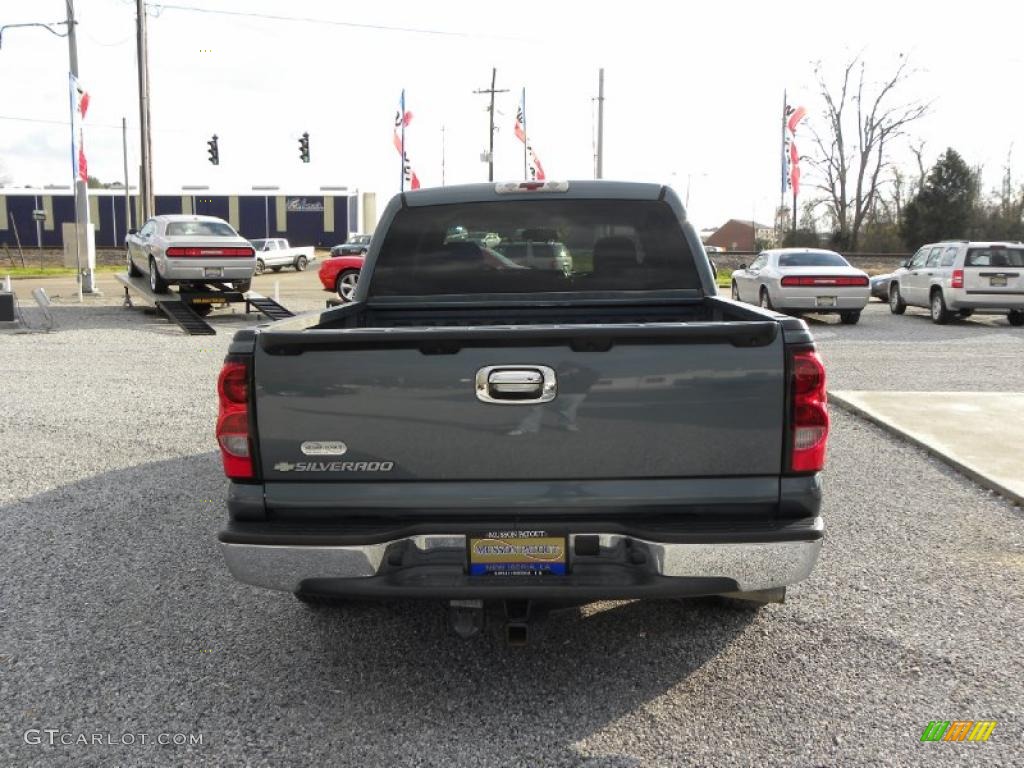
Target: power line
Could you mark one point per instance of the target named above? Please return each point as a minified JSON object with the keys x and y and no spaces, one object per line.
{"x":116,"y":44}
{"x":329,"y":22}
{"x":90,"y":124}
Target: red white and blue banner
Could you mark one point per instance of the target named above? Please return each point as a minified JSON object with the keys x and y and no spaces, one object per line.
{"x":402,"y":120}
{"x":791,"y":118}
{"x":79,"y":106}
{"x":532,"y":169}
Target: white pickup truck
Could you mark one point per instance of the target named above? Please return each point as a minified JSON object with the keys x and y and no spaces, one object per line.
{"x":276,"y":253}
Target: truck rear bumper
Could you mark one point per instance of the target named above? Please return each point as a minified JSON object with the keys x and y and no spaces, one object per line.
{"x":433,"y":565}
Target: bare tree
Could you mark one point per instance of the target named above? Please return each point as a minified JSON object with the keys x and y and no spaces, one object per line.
{"x":918,"y":150}
{"x":853,"y":150}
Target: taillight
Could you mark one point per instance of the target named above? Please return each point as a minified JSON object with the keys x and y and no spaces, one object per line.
{"x":809,"y":421}
{"x":175,"y":251}
{"x":843,"y":282}
{"x":958,"y":279}
{"x":233,"y":420}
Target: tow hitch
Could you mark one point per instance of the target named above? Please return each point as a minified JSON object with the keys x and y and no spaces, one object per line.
{"x":466,"y":617}
{"x":513,"y":618}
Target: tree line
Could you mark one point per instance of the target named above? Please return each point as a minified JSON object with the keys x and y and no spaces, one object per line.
{"x":863,"y":200}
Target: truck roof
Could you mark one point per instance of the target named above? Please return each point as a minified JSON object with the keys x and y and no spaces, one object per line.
{"x":577,"y":190}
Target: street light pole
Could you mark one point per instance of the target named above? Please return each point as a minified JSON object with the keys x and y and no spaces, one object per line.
{"x":146,"y":171}
{"x":84,"y":244}
{"x":600,"y":123}
{"x":127,"y":193}
{"x":39,"y":227}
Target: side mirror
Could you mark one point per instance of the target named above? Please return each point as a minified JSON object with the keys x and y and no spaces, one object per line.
{"x":714,"y":268}
{"x":133,"y":231}
{"x":743,"y":266}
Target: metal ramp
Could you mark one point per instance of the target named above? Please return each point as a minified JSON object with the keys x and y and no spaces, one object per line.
{"x":180,"y":307}
{"x":267,"y":306}
{"x":181,"y":313}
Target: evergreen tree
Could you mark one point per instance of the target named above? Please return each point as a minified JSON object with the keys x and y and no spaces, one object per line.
{"x":945,"y":206}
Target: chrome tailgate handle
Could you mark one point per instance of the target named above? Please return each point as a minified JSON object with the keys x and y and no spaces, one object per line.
{"x":512,"y":385}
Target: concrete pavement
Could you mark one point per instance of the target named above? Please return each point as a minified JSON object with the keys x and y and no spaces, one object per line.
{"x":979,"y":433}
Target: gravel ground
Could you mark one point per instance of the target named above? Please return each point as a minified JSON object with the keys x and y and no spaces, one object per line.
{"x":910,"y":352}
{"x":117,"y":615}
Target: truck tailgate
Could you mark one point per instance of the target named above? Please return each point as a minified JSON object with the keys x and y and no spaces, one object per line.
{"x":656,"y":400}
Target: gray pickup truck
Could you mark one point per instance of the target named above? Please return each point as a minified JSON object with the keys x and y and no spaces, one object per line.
{"x":477,"y":431}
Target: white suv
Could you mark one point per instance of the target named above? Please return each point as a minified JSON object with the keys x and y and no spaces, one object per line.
{"x":960,"y":277}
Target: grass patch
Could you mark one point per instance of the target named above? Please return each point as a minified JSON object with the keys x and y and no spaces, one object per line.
{"x":17,"y":273}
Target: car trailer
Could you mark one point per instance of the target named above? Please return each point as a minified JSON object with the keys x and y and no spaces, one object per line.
{"x":180,"y":307}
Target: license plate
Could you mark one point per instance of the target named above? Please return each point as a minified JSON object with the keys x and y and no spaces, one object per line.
{"x":999,"y":280}
{"x":214,"y":272}
{"x":826,"y":301}
{"x":517,"y":553}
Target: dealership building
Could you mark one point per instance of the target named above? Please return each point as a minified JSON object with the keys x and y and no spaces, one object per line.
{"x":40,"y":217}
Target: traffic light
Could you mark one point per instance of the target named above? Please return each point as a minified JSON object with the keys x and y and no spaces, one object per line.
{"x":213,"y":150}
{"x":304,"y":147}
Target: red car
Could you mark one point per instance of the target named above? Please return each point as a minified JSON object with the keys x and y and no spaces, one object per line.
{"x":339,"y":274}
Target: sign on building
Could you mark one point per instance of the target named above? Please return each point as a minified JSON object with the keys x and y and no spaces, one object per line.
{"x":302,"y":205}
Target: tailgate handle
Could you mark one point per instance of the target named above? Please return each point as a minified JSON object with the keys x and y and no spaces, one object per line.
{"x":520,"y":385}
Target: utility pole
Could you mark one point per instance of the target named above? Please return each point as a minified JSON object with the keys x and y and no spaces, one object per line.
{"x":442,"y":156}
{"x":490,"y":110}
{"x":127,"y":192}
{"x":600,"y":123}
{"x":146,"y":154}
{"x":84,"y":244}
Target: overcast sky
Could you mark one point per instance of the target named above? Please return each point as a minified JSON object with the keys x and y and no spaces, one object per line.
{"x":691,"y":96}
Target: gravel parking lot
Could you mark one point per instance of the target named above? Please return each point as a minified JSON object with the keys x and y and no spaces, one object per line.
{"x":910,"y":352}
{"x":117,"y":615}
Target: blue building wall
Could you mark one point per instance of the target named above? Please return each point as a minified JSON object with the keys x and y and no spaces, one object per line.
{"x":304,"y":222}
{"x":255,"y":217}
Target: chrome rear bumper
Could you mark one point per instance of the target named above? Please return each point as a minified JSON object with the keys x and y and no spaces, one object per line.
{"x":196,"y":269}
{"x":624,"y":561}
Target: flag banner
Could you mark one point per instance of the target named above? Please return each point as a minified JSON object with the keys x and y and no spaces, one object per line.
{"x":402,"y":120}
{"x":792,"y":117}
{"x":79,"y":106}
{"x":794,"y":168}
{"x":534,"y":168}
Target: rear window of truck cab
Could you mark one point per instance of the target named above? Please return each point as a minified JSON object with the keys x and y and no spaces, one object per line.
{"x":541,"y":246}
